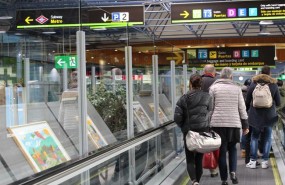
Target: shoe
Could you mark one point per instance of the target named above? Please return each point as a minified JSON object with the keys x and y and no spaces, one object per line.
{"x":264,"y":164}
{"x":225,"y":183}
{"x":242,"y":154}
{"x":234,"y":178}
{"x":214,"y":174}
{"x":251,"y":164}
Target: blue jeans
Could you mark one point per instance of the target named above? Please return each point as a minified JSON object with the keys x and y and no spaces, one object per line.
{"x":266,"y":142}
{"x":231,"y":147}
{"x":243,"y":142}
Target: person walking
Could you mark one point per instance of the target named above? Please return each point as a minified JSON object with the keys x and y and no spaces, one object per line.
{"x":245,"y":139}
{"x":192,"y":112}
{"x":208,"y":79}
{"x":262,"y":119}
{"x":229,"y":116}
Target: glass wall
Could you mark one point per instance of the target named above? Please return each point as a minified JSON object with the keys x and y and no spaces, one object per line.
{"x":70,"y":90}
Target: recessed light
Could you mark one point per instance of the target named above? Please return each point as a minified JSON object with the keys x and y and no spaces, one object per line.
{"x":188,"y":46}
{"x":116,"y":50}
{"x":6,"y":17}
{"x":267,"y":22}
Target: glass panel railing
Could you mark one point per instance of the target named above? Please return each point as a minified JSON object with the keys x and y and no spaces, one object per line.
{"x":113,"y":165}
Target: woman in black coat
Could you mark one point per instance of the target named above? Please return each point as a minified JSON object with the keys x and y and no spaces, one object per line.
{"x":192,"y":112}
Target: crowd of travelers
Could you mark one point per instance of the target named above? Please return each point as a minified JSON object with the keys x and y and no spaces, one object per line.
{"x":216,"y":102}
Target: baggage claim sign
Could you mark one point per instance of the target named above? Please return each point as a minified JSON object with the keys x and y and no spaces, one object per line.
{"x":232,"y":56}
{"x":227,"y":11}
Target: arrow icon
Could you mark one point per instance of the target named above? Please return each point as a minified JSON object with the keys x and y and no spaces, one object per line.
{"x":105,"y":18}
{"x":27,"y":20}
{"x":59,"y":62}
{"x":185,"y":14}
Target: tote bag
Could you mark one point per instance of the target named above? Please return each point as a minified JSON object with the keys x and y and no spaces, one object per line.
{"x":203,"y":142}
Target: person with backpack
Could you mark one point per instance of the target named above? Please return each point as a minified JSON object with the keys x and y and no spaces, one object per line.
{"x":192,"y":112}
{"x":262,"y":98}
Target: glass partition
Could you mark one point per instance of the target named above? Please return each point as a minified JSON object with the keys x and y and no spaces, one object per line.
{"x":65,"y":92}
{"x":117,"y":170}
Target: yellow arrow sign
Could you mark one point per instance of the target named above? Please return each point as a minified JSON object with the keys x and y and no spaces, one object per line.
{"x":28,"y":20}
{"x":185,"y":14}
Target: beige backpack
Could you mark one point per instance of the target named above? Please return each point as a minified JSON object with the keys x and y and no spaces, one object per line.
{"x":262,"y":96}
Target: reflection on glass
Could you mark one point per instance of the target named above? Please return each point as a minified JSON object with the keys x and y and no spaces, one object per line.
{"x":161,"y":116}
{"x":142,"y":119}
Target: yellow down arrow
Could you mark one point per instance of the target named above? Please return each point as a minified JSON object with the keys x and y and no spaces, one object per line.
{"x":27,"y":20}
{"x":185,"y":14}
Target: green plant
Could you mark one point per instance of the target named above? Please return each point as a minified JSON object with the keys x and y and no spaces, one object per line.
{"x":111,"y":106}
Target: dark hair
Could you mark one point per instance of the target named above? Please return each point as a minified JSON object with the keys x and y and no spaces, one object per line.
{"x":265,"y":70}
{"x":247,"y":82}
{"x":196,"y":81}
{"x":279,"y":83}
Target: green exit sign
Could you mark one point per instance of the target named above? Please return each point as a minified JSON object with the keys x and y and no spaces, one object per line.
{"x":66,"y":61}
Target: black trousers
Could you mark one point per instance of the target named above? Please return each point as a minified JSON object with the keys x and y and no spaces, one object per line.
{"x":194,"y":164}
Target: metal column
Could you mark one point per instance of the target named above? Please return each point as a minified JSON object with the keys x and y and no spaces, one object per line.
{"x":83,"y":140}
{"x":93,"y":79}
{"x":156,"y":105}
{"x":185,"y":78}
{"x":130,"y":121}
{"x":173,"y":86}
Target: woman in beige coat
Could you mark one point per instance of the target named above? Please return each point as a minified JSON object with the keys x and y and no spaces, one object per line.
{"x":229,"y":116}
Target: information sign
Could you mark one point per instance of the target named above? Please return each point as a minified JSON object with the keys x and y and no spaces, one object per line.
{"x":232,"y":56}
{"x":65,"y":61}
{"x":50,"y":18}
{"x":227,"y":11}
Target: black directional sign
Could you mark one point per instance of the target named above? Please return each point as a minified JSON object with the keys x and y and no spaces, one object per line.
{"x":227,"y":11}
{"x":50,"y":18}
{"x":232,"y":56}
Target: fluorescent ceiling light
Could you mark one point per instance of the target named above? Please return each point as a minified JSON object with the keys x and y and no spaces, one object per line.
{"x":5,"y":17}
{"x":266,"y":22}
{"x":49,"y":32}
{"x":100,"y":29}
{"x":19,"y":34}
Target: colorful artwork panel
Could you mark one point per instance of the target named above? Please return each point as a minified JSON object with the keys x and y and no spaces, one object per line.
{"x":39,"y":145}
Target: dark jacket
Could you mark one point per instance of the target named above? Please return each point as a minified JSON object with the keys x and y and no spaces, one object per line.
{"x":263,"y":117}
{"x":207,"y":81}
{"x":193,"y":110}
{"x":244,"y":89}
{"x":282,"y":96}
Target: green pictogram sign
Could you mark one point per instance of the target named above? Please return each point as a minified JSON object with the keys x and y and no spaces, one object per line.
{"x":65,"y":61}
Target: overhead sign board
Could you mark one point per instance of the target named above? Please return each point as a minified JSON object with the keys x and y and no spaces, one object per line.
{"x":50,"y":18}
{"x":227,"y":11}
{"x":65,"y":61}
{"x":231,"y":56}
